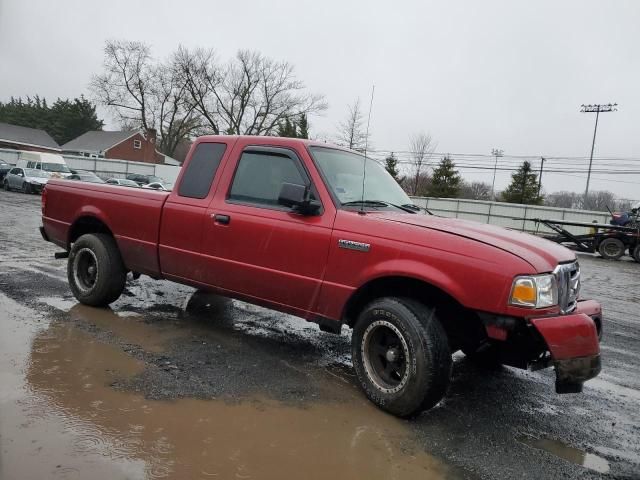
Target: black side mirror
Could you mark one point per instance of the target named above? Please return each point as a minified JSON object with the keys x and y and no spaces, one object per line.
{"x":297,"y":197}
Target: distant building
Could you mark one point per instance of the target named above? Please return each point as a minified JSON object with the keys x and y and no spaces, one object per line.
{"x":25,"y":138}
{"x":136,"y":146}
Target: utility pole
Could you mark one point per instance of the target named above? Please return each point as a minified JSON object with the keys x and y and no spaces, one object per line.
{"x":542,"y":160}
{"x":496,"y":152}
{"x":597,"y":109}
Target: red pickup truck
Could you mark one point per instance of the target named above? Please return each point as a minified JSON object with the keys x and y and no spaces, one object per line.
{"x":284,"y":223}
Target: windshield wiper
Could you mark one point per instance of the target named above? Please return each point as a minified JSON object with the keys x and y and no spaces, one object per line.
{"x":381,"y":203}
{"x":417,"y":208}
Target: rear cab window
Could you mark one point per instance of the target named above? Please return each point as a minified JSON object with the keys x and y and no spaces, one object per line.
{"x":199,"y":174}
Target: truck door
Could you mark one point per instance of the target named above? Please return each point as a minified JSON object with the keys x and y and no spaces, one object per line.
{"x":260,"y":249}
{"x":184,"y":212}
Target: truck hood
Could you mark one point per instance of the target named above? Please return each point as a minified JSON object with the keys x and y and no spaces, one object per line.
{"x":541,"y":254}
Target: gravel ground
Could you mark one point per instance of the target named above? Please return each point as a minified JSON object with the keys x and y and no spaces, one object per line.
{"x":493,"y":424}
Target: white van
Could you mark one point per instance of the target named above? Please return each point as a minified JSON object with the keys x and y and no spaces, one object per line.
{"x":49,"y":162}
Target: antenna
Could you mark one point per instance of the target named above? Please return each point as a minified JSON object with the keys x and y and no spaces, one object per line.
{"x":366,"y":144}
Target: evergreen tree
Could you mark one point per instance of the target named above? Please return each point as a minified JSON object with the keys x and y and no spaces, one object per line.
{"x":287,"y":129}
{"x":64,"y":120}
{"x":445,"y":181}
{"x":391,"y":166}
{"x":523,"y":187}
{"x":303,"y":126}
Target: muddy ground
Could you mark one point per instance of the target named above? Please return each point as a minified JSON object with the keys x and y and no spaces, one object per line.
{"x":170,"y":383}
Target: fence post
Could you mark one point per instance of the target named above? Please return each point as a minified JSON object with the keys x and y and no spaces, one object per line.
{"x":524,"y":222}
{"x":489,"y":214}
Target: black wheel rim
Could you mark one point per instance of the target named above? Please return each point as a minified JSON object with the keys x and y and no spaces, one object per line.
{"x":386,"y":356}
{"x":85,"y":269}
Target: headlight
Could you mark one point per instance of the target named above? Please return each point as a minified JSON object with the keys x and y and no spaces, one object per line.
{"x":536,"y":291}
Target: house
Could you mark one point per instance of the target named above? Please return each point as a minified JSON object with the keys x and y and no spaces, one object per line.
{"x":25,"y":138}
{"x":135,"y":146}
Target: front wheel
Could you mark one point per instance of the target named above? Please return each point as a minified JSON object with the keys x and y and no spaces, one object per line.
{"x":26,"y":188}
{"x":401,"y":355}
{"x":95,"y":270}
{"x":611,"y":248}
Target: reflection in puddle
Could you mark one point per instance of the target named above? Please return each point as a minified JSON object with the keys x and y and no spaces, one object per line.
{"x":573,"y":455}
{"x":128,"y":327}
{"x":70,"y":423}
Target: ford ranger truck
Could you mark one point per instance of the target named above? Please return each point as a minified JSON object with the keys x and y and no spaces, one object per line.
{"x":285,"y":223}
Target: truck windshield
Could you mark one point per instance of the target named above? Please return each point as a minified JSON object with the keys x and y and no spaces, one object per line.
{"x":56,"y":167}
{"x":343,"y":172}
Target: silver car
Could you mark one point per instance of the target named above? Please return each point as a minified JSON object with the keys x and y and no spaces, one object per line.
{"x":122,"y":182}
{"x":29,"y":180}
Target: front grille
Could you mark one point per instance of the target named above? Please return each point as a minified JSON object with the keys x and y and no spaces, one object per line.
{"x":568,"y":278}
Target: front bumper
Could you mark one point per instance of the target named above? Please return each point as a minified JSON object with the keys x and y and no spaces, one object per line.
{"x":573,"y":341}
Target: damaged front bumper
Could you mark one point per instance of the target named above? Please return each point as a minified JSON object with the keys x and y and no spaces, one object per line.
{"x":573,"y":342}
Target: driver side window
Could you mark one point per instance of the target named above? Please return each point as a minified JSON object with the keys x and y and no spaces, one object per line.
{"x":260,"y":175}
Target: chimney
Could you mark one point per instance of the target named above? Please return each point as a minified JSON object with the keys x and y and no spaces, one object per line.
{"x":151,"y":135}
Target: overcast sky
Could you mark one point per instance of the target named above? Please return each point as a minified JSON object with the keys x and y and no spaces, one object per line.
{"x":474,"y":74}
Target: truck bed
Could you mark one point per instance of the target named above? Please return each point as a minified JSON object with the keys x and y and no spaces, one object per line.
{"x":133,"y":214}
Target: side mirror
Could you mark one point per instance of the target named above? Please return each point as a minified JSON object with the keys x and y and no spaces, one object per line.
{"x":297,"y":197}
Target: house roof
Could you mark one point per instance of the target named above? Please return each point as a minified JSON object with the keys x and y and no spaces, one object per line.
{"x":97,"y":141}
{"x":26,"y":136}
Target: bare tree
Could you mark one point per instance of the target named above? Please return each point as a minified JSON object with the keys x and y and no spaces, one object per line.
{"x":125,"y":84}
{"x":352,"y":131}
{"x":475,"y":191}
{"x":599,"y":201}
{"x":145,"y":94}
{"x":421,"y":148}
{"x":249,"y":95}
{"x":563,"y":199}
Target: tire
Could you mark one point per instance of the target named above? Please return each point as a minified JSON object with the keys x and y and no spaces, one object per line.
{"x":26,"y":188}
{"x":6,"y":185}
{"x":611,"y":248}
{"x":95,"y":270}
{"x":401,"y":355}
{"x":636,"y":253}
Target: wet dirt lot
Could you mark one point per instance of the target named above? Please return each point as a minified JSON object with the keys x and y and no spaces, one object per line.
{"x":171,"y":383}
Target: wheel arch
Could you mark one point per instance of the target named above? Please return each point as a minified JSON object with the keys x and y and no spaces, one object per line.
{"x":456,"y":319}
{"x":87,"y":223}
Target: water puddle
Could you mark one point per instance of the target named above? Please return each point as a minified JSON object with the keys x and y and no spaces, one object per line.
{"x":129,"y":327}
{"x":571,"y":454}
{"x":65,"y":420}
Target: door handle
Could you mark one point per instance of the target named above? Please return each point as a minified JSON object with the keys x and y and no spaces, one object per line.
{"x":222,"y":219}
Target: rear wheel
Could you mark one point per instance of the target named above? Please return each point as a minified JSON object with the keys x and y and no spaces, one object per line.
{"x":611,"y":248}
{"x":401,"y":355}
{"x":95,"y":270}
{"x":6,"y":185}
{"x":636,"y":253}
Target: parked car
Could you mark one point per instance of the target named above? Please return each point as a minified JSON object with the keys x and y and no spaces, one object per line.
{"x":143,"y":179}
{"x":4,"y":169}
{"x":294,"y":225}
{"x":85,"y":176}
{"x":163,"y":186}
{"x":122,"y":182}
{"x":49,"y":162}
{"x":29,"y":180}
